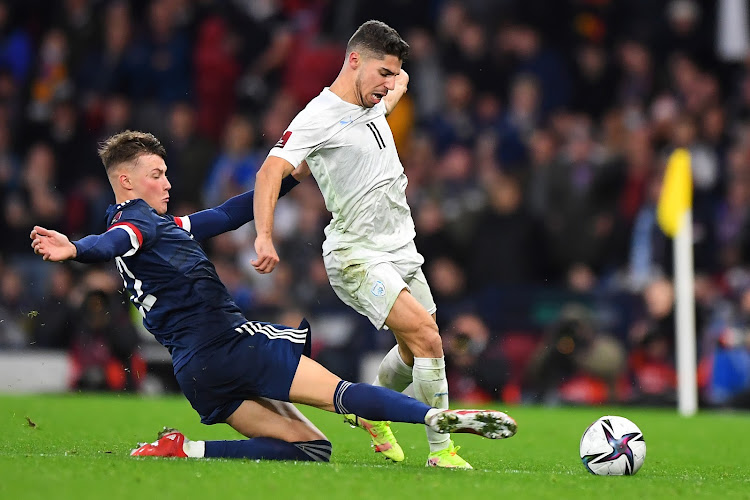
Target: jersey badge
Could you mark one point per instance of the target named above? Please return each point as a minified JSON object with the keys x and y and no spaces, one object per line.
{"x":117,"y":217}
{"x":378,"y":289}
{"x":284,"y":138}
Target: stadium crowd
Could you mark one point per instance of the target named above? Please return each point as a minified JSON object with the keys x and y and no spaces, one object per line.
{"x":534,"y":135}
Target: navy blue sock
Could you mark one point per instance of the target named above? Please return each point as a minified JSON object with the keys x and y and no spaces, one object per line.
{"x":263,"y":448}
{"x":378,"y":403}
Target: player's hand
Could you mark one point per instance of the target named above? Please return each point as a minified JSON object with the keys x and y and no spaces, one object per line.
{"x":400,"y":83}
{"x":51,"y":245}
{"x":267,"y":256}
{"x":402,"y":80}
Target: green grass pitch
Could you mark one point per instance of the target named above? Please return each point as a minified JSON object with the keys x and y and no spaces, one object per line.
{"x":76,"y":446}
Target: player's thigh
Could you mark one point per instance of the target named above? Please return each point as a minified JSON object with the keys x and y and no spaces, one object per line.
{"x":262,"y":417}
{"x":313,"y":385}
{"x":420,"y":290}
{"x":370,"y":288}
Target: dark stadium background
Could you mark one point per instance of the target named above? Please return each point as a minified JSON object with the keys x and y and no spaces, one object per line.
{"x":534,"y":135}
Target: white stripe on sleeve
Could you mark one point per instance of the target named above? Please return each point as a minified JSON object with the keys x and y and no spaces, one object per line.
{"x":185,"y":223}
{"x":134,"y":244}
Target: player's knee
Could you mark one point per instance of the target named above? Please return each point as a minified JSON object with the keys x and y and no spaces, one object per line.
{"x":426,"y":341}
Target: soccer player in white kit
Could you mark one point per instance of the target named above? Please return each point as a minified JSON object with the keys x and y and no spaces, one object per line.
{"x":369,"y":252}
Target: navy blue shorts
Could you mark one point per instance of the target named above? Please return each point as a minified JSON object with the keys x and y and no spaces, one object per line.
{"x":260,"y":360}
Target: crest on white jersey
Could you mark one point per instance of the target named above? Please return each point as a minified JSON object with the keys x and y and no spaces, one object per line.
{"x":378,"y":289}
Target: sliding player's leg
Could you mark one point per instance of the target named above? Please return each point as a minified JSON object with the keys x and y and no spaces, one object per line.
{"x":315,"y":386}
{"x":395,"y":374}
{"x":278,"y":431}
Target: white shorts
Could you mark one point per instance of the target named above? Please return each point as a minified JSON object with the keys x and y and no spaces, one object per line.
{"x":369,"y":281}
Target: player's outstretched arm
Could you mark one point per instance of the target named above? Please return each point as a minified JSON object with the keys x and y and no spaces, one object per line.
{"x":52,"y":245}
{"x":395,"y":95}
{"x":56,"y":247}
{"x":236,"y":211}
{"x":267,"y":185}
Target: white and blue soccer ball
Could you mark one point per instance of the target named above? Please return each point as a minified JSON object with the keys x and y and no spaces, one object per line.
{"x":613,"y":446}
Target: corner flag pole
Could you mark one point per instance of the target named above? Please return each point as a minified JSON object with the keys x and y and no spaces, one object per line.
{"x":687,"y":386}
{"x":674,"y":214}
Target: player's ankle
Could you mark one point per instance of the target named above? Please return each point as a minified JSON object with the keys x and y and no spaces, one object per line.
{"x":194,"y":449}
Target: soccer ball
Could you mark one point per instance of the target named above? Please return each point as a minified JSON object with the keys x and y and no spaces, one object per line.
{"x":612,"y":446}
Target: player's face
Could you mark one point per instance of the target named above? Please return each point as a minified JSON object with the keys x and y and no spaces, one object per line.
{"x":149,"y":182}
{"x":375,"y":78}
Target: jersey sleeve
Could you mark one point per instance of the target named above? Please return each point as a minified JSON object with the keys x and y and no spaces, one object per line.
{"x":301,"y":139}
{"x":138,"y":223}
{"x":228,"y":216}
{"x":102,"y":247}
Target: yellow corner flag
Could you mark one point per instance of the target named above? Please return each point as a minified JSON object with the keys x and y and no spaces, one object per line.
{"x":676,"y":193}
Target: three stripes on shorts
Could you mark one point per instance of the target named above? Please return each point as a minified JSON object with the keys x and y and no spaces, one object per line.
{"x":274,"y":332}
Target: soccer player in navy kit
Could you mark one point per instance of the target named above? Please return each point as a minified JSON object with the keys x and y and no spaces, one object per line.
{"x":244,"y":373}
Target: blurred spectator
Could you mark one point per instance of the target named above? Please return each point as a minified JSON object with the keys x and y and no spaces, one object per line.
{"x":190,"y":156}
{"x":543,"y":63}
{"x":9,"y":167}
{"x":581,"y":218}
{"x":652,"y":360}
{"x":425,"y":75}
{"x":103,"y":348}
{"x":35,"y":201}
{"x":164,"y":52}
{"x":475,"y":367}
{"x":79,"y":21}
{"x":594,"y":81}
{"x":543,"y":150}
{"x":15,"y":311}
{"x":688,"y":29}
{"x":648,"y":246}
{"x":454,"y":125}
{"x":433,"y":239}
{"x":16,"y":53}
{"x":521,"y":117}
{"x":730,"y":373}
{"x":51,"y":80}
{"x":234,"y":170}
{"x":216,"y":75}
{"x":117,"y":115}
{"x":575,"y":362}
{"x":725,"y":353}
{"x":449,"y":288}
{"x":637,"y":83}
{"x":506,"y":244}
{"x":52,"y":328}
{"x":111,"y":66}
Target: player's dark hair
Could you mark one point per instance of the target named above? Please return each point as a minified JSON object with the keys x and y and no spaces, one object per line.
{"x":127,"y":146}
{"x":378,"y":39}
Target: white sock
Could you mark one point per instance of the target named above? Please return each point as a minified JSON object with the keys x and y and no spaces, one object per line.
{"x":431,"y":387}
{"x":393,"y":372}
{"x":194,"y":449}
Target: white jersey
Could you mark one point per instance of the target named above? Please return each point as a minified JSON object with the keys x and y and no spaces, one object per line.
{"x":352,"y":155}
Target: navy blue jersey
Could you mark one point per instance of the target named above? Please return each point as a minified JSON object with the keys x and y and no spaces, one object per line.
{"x":171,"y":281}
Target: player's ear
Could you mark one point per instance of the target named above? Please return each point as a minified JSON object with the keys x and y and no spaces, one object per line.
{"x":354,"y":59}
{"x":124,"y":180}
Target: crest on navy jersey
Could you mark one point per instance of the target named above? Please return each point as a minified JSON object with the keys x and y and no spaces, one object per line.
{"x":117,"y":217}
{"x":284,"y":138}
